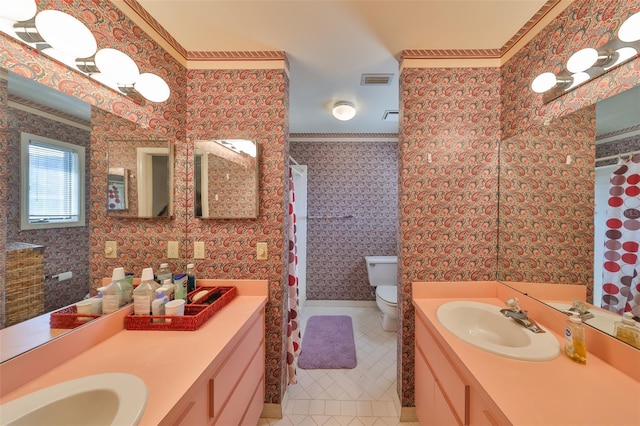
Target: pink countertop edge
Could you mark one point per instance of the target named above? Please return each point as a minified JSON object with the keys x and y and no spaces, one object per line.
{"x":169,"y":362}
{"x":535,"y":393}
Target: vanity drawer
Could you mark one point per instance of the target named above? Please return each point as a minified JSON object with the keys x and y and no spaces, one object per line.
{"x":455,"y":390}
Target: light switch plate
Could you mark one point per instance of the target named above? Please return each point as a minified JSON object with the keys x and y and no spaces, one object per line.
{"x":198,"y":250}
{"x":261,"y":251}
{"x":110,"y":249}
{"x":172,"y":250}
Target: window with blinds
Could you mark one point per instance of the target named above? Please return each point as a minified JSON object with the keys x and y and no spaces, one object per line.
{"x":52,"y":177}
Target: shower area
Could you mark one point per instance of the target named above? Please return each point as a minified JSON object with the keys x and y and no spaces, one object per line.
{"x":352,"y":198}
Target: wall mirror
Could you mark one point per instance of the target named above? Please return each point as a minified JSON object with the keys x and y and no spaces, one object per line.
{"x":617,"y":130}
{"x":140,"y":180}
{"x":226,"y":179}
{"x":34,"y":108}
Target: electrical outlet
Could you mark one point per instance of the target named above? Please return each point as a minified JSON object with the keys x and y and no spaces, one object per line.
{"x":261,"y":251}
{"x":172,"y":250}
{"x":110,"y":249}
{"x":198,"y":250}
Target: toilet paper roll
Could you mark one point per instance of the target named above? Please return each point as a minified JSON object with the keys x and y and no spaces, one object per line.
{"x":65,"y":276}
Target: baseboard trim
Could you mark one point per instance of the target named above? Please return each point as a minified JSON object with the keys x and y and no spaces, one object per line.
{"x":408,"y":414}
{"x":342,"y":303}
{"x":271,"y":411}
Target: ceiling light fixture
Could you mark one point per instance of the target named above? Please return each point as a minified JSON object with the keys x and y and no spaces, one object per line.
{"x":344,"y":110}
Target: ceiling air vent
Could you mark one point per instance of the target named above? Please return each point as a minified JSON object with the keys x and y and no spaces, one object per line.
{"x":390,"y":116}
{"x":375,"y":79}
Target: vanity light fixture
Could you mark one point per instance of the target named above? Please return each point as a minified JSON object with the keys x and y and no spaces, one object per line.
{"x":344,"y":110}
{"x":67,"y":40}
{"x":630,"y":29}
{"x":18,"y":10}
{"x":589,"y":63}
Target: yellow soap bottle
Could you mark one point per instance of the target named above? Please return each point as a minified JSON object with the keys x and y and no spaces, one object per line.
{"x":575,"y":346}
{"x":627,"y":330}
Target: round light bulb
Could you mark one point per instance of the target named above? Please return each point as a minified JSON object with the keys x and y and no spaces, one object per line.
{"x":152,"y":87}
{"x":630,"y":29}
{"x":65,"y":33}
{"x":344,"y":111}
{"x":117,"y":66}
{"x":582,"y":60}
{"x":578,"y":78}
{"x":18,"y":10}
{"x":544,"y":82}
{"x":624,"y":53}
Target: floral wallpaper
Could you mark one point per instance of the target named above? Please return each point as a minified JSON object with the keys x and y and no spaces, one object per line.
{"x":245,"y":104}
{"x":4,"y":137}
{"x":62,"y":245}
{"x":448,"y":204}
{"x":356,"y":179}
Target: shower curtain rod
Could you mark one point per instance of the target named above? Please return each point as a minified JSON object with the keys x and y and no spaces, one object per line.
{"x":611,"y":157}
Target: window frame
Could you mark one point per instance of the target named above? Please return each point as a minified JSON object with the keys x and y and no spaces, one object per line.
{"x":25,"y":224}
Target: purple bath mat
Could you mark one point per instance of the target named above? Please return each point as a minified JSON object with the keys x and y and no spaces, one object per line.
{"x":328,"y":342}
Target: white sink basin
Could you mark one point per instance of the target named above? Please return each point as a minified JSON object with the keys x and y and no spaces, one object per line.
{"x":103,"y":399}
{"x":484,"y":326}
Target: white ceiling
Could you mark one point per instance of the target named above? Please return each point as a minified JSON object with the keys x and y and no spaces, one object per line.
{"x":330,"y":44}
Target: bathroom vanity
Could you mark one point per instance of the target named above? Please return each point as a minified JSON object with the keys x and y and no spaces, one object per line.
{"x":460,"y":384}
{"x":214,"y":375}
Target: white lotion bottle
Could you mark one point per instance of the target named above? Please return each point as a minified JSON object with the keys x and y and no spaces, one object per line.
{"x":144,"y":294}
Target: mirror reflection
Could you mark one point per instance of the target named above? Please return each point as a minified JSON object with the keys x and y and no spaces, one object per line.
{"x":140,"y":179}
{"x":615,"y":122}
{"x":47,"y":266}
{"x":226,"y":179}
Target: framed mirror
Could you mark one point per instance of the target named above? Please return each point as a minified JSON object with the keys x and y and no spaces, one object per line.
{"x":140,"y":180}
{"x":226,"y":179}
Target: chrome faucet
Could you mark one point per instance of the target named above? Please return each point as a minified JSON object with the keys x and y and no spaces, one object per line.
{"x":518,"y":315}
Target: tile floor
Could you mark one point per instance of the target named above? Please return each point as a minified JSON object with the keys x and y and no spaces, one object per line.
{"x":365,"y":395}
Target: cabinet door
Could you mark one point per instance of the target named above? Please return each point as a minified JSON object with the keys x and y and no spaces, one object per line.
{"x":424,"y":390}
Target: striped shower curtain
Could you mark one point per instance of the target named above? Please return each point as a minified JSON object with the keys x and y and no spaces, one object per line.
{"x":293,"y":325}
{"x":621,"y":284}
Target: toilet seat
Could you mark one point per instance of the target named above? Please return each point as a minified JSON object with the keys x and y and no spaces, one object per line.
{"x":388,"y":294}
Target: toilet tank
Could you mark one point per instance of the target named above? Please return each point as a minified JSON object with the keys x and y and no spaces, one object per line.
{"x":382,"y":270}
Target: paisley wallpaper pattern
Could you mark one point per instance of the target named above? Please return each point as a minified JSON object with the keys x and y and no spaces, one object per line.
{"x":357,"y":179}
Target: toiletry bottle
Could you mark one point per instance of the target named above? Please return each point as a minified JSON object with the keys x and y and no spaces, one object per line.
{"x":144,"y":294}
{"x":157,"y":306}
{"x":163,"y":273}
{"x":96,"y":307}
{"x":126,"y":289}
{"x":180,"y":281}
{"x":169,"y":289}
{"x":628,"y":330}
{"x":191,"y":277}
{"x":575,"y":346}
{"x":111,"y":295}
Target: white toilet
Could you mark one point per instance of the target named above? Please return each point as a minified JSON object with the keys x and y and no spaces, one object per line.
{"x":383,"y":275}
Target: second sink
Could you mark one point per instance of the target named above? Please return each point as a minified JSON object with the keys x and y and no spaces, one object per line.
{"x":482,"y":325}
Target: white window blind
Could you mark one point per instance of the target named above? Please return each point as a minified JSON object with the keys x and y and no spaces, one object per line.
{"x":53,"y":183}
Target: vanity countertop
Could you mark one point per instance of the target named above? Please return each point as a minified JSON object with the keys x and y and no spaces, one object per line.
{"x":559,"y":391}
{"x":169,"y":362}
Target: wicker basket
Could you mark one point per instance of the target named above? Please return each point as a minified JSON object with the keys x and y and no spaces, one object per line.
{"x":69,"y":318}
{"x":195,"y":315}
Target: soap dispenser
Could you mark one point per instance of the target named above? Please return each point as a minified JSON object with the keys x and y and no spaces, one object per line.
{"x":575,"y":346}
{"x":627,"y":330}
